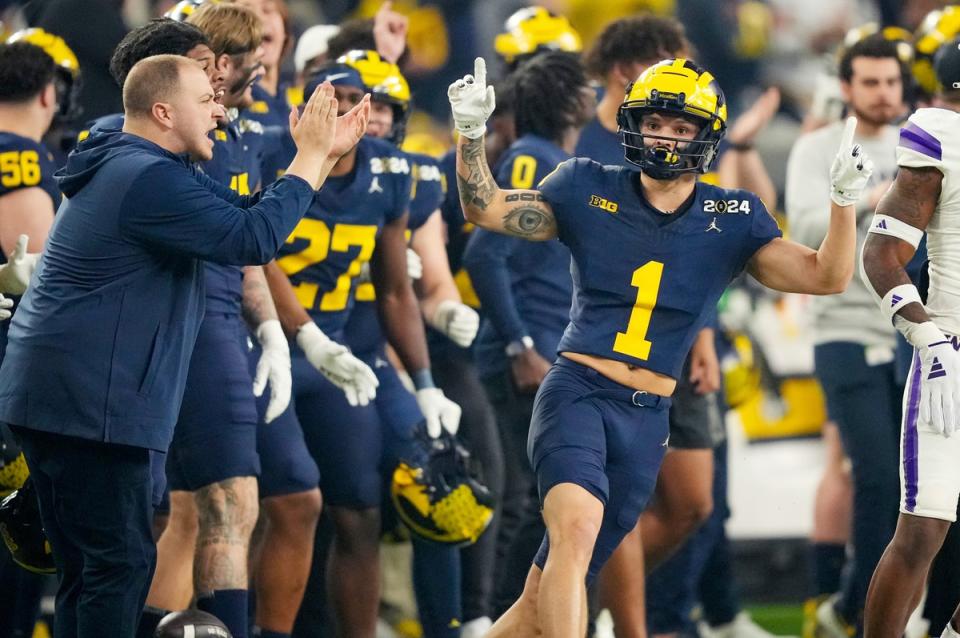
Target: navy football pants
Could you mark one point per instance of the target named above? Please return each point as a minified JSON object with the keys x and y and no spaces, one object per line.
{"x":95,"y":504}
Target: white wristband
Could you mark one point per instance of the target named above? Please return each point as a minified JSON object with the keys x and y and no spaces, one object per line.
{"x":886,"y":225}
{"x":898,"y":297}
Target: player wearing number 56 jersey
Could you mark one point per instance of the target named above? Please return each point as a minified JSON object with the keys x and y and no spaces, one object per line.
{"x":652,"y":253}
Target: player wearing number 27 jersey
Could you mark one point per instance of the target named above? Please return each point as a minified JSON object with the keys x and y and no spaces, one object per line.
{"x":652,"y":251}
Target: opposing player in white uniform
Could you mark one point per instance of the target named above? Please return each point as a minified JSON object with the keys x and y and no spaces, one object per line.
{"x":924,"y":197}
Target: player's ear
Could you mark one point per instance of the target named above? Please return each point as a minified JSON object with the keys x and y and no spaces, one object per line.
{"x":163,"y":114}
{"x":48,"y":96}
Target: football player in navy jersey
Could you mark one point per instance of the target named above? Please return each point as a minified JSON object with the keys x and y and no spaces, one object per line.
{"x":271,"y":98}
{"x":361,"y":215}
{"x":684,"y":497}
{"x":600,"y":429}
{"x":525,"y":289}
{"x":28,"y":199}
{"x":436,"y":569}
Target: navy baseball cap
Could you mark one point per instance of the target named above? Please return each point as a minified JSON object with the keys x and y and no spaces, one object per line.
{"x":946,"y":64}
{"x":337,"y":74}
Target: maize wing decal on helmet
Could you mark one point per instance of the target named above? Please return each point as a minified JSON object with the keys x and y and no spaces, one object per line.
{"x":436,"y":495}
{"x":936,"y":29}
{"x":680,"y":88}
{"x":68,"y":67}
{"x":386,"y":84}
{"x":533,"y":29}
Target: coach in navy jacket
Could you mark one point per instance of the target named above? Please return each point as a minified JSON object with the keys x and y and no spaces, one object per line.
{"x":98,"y":354}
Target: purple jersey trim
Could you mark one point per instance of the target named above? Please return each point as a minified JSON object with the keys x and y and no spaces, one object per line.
{"x":916,"y":139}
{"x":910,"y":460}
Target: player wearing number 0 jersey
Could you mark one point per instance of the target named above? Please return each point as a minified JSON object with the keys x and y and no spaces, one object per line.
{"x":924,"y":198}
{"x":652,"y":253}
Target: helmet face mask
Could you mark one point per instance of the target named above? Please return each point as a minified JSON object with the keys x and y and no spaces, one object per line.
{"x":673,"y":89}
{"x":660,"y":161}
{"x":437,"y":496}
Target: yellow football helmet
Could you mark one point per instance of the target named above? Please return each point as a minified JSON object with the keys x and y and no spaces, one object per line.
{"x":437,"y":497}
{"x":678,"y":87}
{"x":183,"y":9}
{"x":385,"y":83}
{"x":22,"y":531}
{"x":533,"y":29}
{"x":898,"y":35}
{"x":936,"y":29}
{"x":68,"y":67}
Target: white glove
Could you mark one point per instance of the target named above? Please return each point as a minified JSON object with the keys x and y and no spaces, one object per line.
{"x":5,"y":306}
{"x":439,"y":411}
{"x":472,"y":101}
{"x":335,"y":362}
{"x":15,"y":274}
{"x":851,"y":169}
{"x":273,"y":366}
{"x":414,"y":264}
{"x":456,"y":320}
{"x":939,"y":386}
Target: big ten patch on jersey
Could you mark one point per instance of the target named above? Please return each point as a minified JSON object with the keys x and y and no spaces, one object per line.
{"x":645,"y":282}
{"x":25,"y":163}
{"x":325,"y":253}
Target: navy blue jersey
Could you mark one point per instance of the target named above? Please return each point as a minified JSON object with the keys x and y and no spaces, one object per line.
{"x":600,"y":145}
{"x":363,"y":332}
{"x":645,"y":283}
{"x":458,"y":233}
{"x":25,"y":163}
{"x":325,"y":253}
{"x":279,"y":150}
{"x":524,"y":286}
{"x":273,"y":110}
{"x":237,"y":153}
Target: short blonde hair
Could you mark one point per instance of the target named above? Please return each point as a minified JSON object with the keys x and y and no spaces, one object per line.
{"x":151,"y":80}
{"x":231,"y":29}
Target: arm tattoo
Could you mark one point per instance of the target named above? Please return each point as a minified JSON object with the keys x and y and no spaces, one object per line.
{"x":257,"y":302}
{"x":913,"y":197}
{"x":529,"y":220}
{"x":478,"y":187}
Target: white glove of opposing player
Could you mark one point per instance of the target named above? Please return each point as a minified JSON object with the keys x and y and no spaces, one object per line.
{"x":440,"y":412}
{"x":5,"y":306}
{"x":851,"y":169}
{"x":472,"y":101}
{"x":273,"y":366}
{"x":456,"y":320}
{"x":939,"y":386}
{"x":335,"y":362}
{"x":414,"y":264}
{"x":15,"y":274}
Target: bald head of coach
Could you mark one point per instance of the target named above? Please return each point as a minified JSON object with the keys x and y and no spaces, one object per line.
{"x":97,"y":353}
